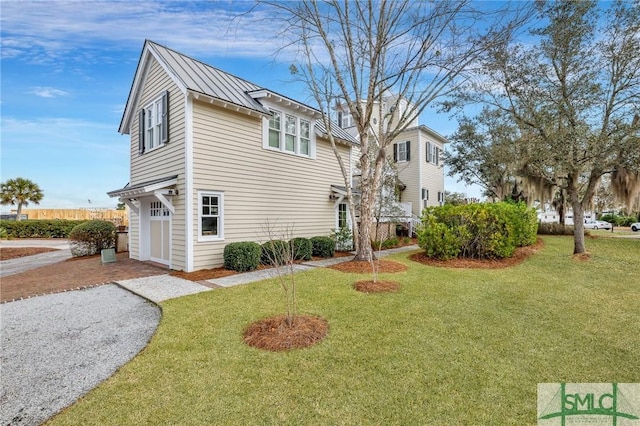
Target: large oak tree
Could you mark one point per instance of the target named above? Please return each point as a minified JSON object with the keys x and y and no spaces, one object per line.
{"x":572,"y":88}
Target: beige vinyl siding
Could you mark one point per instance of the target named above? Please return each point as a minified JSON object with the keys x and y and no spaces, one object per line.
{"x":432,"y":175}
{"x":408,"y":171}
{"x":258,"y":184}
{"x":165,"y":161}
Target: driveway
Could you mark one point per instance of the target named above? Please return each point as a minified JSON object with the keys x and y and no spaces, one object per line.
{"x":22,"y":264}
{"x":55,"y":348}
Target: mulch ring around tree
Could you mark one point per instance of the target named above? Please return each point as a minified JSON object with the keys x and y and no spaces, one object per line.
{"x":274,"y":334}
{"x":518,"y":257}
{"x":364,"y":267}
{"x":376,"y":286}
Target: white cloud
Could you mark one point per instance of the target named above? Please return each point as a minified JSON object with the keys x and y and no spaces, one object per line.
{"x":47,"y":92}
{"x":45,"y":35}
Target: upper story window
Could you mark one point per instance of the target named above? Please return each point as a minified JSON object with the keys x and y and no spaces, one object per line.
{"x":154,"y":124}
{"x":345,"y":120}
{"x":274,"y":130}
{"x":290,"y":133}
{"x":402,"y":151}
{"x":433,"y":153}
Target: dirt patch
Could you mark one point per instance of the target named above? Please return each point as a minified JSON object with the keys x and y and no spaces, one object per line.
{"x":518,"y":257}
{"x":274,"y":334}
{"x":582,"y":257}
{"x":8,"y":253}
{"x":364,"y":267}
{"x":376,"y":286}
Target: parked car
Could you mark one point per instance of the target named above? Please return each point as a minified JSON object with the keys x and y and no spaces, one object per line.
{"x":635,"y":227}
{"x":597,"y":224}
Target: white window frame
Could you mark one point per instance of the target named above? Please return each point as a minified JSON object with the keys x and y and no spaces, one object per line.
{"x":406,"y":152}
{"x":220,"y":236}
{"x":277,"y":114}
{"x":346,"y":216}
{"x":153,"y":123}
{"x":287,"y":131}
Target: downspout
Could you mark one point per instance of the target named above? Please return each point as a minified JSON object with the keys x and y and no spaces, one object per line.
{"x":188,"y":178}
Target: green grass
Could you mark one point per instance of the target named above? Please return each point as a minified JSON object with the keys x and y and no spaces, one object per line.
{"x":452,"y":347}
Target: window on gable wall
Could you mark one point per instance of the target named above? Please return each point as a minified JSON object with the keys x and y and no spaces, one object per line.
{"x":154,"y":124}
{"x":295,"y":137}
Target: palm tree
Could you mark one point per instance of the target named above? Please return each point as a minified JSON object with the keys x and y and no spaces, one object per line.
{"x":20,"y":192}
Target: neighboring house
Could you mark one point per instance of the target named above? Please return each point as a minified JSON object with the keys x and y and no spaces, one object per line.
{"x":417,"y":160}
{"x":214,"y":157}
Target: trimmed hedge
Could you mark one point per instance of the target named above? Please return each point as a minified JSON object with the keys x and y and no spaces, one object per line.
{"x":91,"y":237}
{"x":302,"y":248}
{"x":242,"y":256}
{"x":323,"y":247}
{"x":32,"y":228}
{"x":274,"y":252}
{"x":479,"y":230}
{"x":552,"y":228}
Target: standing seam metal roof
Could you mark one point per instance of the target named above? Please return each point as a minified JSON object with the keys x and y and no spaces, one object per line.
{"x":196,"y":76}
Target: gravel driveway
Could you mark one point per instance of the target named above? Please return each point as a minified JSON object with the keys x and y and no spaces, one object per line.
{"x":56,"y":348}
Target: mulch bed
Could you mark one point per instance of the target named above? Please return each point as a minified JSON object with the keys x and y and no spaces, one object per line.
{"x":376,"y":286}
{"x":364,"y":267}
{"x":518,"y":257}
{"x":8,"y":253}
{"x":211,"y":274}
{"x":274,"y":334}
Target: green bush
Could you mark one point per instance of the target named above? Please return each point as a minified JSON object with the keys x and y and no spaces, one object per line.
{"x":242,"y":256}
{"x":3,"y":234}
{"x":274,"y":252}
{"x":32,"y":228}
{"x":437,"y":239}
{"x":302,"y":248}
{"x":323,"y":246}
{"x":479,"y":230}
{"x":91,"y":237}
{"x":343,"y":239}
{"x":545,"y":228}
{"x":390,"y":243}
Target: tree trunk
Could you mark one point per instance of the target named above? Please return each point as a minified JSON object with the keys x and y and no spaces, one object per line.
{"x":364,"y":250}
{"x":578,"y":216}
{"x":19,"y":212}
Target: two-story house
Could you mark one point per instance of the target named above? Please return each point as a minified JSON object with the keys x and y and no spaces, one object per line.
{"x":417,"y":160}
{"x":214,"y":157}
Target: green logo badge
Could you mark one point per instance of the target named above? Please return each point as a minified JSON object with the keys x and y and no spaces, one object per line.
{"x":616,"y":404}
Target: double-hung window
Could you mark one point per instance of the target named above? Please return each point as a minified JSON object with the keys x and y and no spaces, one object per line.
{"x":342,"y":216}
{"x":210,"y":216}
{"x":402,"y":151}
{"x":275,"y":130}
{"x":289,"y":133}
{"x":154,"y":124}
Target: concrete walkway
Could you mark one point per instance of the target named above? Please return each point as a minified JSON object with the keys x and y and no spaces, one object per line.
{"x":159,"y":288}
{"x":22,"y":264}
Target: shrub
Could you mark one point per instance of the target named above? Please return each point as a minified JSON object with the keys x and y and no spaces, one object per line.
{"x":91,"y":237}
{"x":343,"y":239}
{"x":390,"y":243}
{"x":479,"y":230}
{"x":242,"y":256}
{"x":3,"y":234}
{"x":323,"y":246}
{"x":55,"y":228}
{"x":302,"y":248}
{"x":274,"y":252}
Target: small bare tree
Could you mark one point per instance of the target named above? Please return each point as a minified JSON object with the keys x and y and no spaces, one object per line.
{"x":280,"y":253}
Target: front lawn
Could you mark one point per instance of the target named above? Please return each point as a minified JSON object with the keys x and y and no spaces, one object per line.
{"x":450,"y":347}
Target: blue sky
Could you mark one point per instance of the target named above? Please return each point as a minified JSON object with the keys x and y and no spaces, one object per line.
{"x":66,"y":72}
